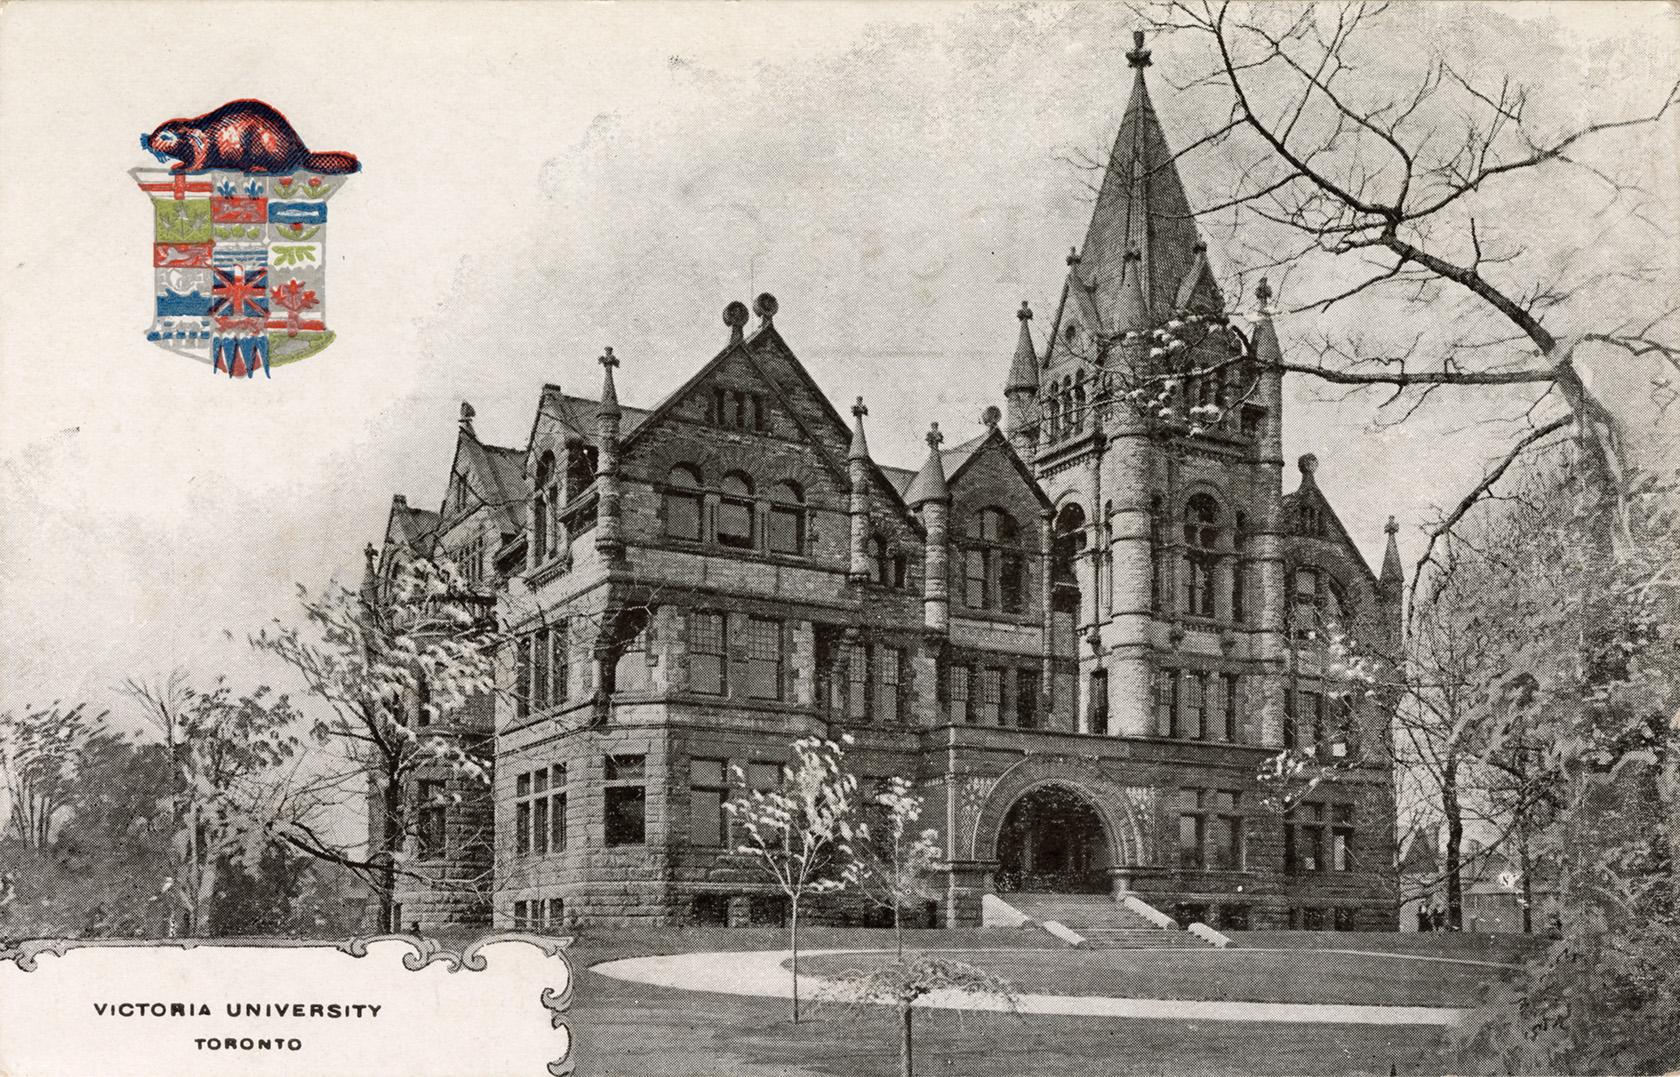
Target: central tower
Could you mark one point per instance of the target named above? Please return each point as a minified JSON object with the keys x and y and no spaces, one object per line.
{"x":1164,"y":464}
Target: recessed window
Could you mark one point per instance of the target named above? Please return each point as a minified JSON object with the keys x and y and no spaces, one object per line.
{"x":1201,"y":542}
{"x":785,"y":529}
{"x":764,"y":658}
{"x":682,"y":504}
{"x":707,"y":654}
{"x":708,"y":821}
{"x":735,"y":512}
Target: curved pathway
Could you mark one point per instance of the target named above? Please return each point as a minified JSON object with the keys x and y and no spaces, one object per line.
{"x":761,"y":973}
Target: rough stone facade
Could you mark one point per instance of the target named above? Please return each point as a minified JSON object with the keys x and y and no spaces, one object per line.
{"x":1089,"y":604}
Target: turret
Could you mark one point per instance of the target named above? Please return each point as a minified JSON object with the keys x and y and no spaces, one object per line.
{"x":609,"y":528}
{"x":1266,"y":562}
{"x":857,"y":476}
{"x":1020,"y":389}
{"x":1391,"y":583}
{"x":929,"y":497}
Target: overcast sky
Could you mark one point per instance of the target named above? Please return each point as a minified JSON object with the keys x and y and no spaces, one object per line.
{"x":543,"y":181}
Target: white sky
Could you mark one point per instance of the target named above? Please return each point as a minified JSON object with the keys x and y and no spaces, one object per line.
{"x":543,"y":181}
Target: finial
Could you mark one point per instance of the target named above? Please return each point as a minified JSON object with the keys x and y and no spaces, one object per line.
{"x":1391,"y":528}
{"x":608,"y":360}
{"x":1263,"y":292}
{"x":372,"y":554}
{"x":609,"y":391}
{"x":735,"y":317}
{"x":860,"y":445}
{"x":1308,"y":464}
{"x":1133,"y":255}
{"x":467,"y":414}
{"x":934,"y":437}
{"x":992,"y":416}
{"x":766,"y":306}
{"x":1073,"y":256}
{"x":1139,"y":56}
{"x":1025,"y":313}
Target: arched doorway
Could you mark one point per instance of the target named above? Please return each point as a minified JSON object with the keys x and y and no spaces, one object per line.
{"x":1053,"y":841}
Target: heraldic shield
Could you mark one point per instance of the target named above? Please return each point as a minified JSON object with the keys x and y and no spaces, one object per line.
{"x":239,"y":266}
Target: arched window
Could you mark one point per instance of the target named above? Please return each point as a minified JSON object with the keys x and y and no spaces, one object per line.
{"x":785,"y":532}
{"x":682,"y":503}
{"x":1239,"y":570}
{"x":1306,"y":601}
{"x":1201,"y":543}
{"x":886,"y":567}
{"x":994,"y":570}
{"x":735,"y":512}
{"x":545,"y":509}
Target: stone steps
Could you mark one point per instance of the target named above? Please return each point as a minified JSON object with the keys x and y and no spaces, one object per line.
{"x":1104,"y":924}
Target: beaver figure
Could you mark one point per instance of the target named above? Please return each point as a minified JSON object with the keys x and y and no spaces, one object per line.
{"x":242,"y":136}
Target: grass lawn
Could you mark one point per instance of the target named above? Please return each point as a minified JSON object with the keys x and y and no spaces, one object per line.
{"x":626,"y":1029}
{"x":1302,"y":975}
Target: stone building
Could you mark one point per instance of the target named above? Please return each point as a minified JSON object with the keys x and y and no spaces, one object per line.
{"x":1082,"y":633}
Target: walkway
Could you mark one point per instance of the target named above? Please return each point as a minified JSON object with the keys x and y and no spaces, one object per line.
{"x":761,"y":973}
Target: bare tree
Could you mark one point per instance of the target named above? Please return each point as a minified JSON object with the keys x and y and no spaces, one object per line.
{"x":1398,"y":199}
{"x":891,"y":863}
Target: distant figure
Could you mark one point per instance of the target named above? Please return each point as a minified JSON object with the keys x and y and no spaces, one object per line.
{"x":1424,"y":923}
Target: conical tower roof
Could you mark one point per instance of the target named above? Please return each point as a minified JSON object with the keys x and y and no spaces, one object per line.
{"x":1141,"y":206}
{"x":1023,"y":369}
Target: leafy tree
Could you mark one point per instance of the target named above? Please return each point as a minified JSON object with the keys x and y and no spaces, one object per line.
{"x":388,"y":664}
{"x":38,"y":751}
{"x":890,"y":863}
{"x":798,"y":835}
{"x":229,"y":789}
{"x":902,"y":983}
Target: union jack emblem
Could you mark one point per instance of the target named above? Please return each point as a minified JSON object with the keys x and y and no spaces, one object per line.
{"x":239,"y":293}
{"x":239,"y":262}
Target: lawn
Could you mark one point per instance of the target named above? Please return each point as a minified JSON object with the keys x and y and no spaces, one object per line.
{"x":1309,"y":976}
{"x":627,"y":1030}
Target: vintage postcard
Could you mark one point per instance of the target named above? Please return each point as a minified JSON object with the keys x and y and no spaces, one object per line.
{"x":839,"y":539}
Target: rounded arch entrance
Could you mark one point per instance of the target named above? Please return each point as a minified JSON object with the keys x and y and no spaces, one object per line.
{"x":1052,"y":839}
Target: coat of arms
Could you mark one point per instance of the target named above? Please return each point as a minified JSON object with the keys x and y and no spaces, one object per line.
{"x":239,"y":238}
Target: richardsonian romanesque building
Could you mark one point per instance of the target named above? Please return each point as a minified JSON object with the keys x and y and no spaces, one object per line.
{"x":1081,"y":633}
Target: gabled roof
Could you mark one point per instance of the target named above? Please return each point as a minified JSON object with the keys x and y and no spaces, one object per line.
{"x":958,"y":459}
{"x":411,"y":528}
{"x":766,"y":339}
{"x":1141,"y":206}
{"x":1309,"y":494}
{"x":578,"y":415}
{"x":497,"y":479}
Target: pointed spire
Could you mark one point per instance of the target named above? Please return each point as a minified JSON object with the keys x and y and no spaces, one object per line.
{"x":860,"y":446}
{"x":1392,"y":572}
{"x":1141,"y":206}
{"x":1266,"y":347}
{"x":929,"y":483}
{"x":609,"y":391}
{"x":1023,"y":369}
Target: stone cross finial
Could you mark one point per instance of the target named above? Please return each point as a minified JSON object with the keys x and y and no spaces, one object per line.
{"x":1139,"y":56}
{"x":934,"y":437}
{"x":1025,"y":313}
{"x":1073,"y":256}
{"x":1263,"y":292}
{"x":467,"y":414}
{"x":608,"y":359}
{"x":1391,"y":527}
{"x":858,"y":409}
{"x":372,"y":554}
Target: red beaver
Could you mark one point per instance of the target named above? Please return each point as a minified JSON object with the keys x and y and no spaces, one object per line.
{"x":242,"y":136}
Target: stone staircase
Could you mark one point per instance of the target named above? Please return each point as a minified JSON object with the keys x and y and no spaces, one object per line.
{"x":1104,"y":924}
